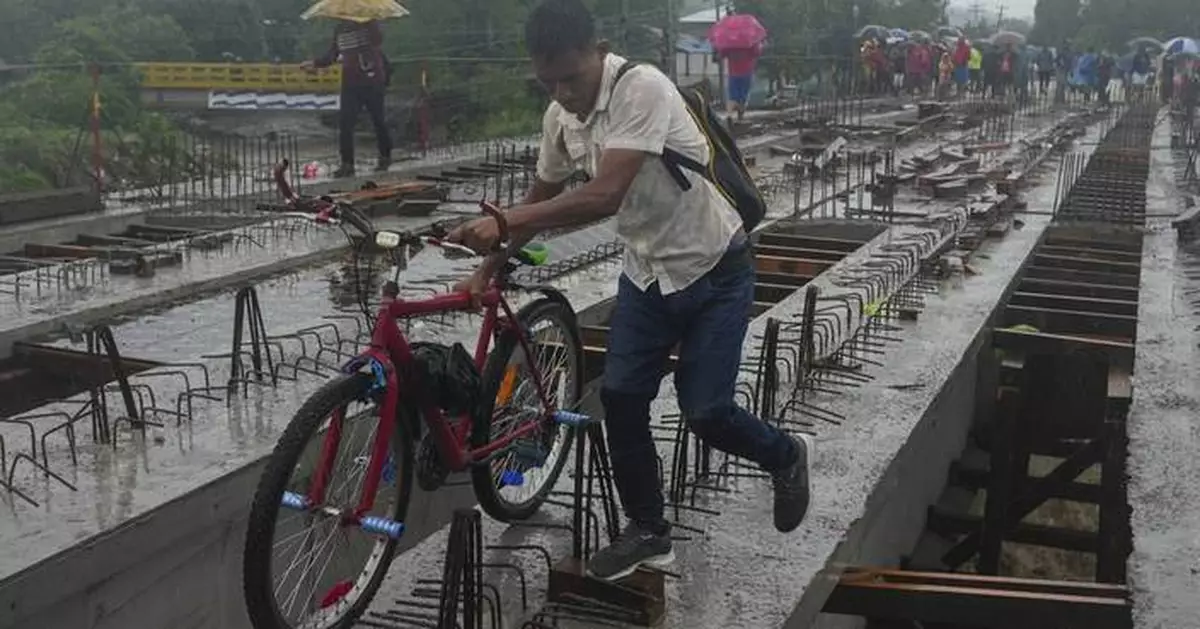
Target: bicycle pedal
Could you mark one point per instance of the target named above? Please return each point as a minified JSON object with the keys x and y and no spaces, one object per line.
{"x":571,"y":419}
{"x":382,"y":526}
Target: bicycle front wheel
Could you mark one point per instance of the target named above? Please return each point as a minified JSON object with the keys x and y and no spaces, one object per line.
{"x":313,"y":566}
{"x":514,"y":485}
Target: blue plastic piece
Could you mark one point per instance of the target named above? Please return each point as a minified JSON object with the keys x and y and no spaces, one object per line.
{"x":571,"y":419}
{"x":389,"y":470}
{"x":382,"y":526}
{"x":293,"y":500}
{"x":511,"y":478}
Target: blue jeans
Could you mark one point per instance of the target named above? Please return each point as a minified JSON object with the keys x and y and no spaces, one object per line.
{"x":739,"y":88}
{"x":708,"y":320}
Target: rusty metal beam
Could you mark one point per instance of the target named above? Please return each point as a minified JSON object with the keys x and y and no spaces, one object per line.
{"x":790,"y":266}
{"x":1092,"y":253}
{"x":978,"y":601}
{"x":784,"y":279}
{"x":799,"y":252}
{"x":1056,"y":240}
{"x":1060,"y":321}
{"x":1083,"y":277}
{"x":976,"y":479}
{"x":1062,"y":287}
{"x":1074,"y":302}
{"x":1087,"y":264}
{"x":781,"y":239}
{"x":953,"y":524}
{"x":773,"y":293}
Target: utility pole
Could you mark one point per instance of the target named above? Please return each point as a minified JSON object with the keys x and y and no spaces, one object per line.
{"x":977,"y":13}
{"x":625,"y":28}
{"x":670,"y":36}
{"x":1000,"y":16}
{"x":720,"y":62}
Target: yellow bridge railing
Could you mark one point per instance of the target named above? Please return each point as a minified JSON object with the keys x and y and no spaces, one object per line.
{"x":260,"y":77}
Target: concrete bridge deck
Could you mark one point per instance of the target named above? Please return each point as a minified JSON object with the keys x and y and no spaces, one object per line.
{"x":161,"y":531}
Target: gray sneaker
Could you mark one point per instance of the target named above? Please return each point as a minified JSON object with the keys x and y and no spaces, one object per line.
{"x":791,"y":487}
{"x":633,"y":548}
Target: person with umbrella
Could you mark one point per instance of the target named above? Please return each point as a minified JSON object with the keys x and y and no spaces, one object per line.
{"x":357,"y":42}
{"x":1045,"y":69}
{"x":739,"y":38}
{"x":1139,"y":72}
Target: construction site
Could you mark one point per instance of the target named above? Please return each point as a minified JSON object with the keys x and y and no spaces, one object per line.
{"x":949,"y":298}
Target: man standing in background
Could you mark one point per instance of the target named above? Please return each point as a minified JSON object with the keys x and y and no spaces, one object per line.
{"x":365,"y":75}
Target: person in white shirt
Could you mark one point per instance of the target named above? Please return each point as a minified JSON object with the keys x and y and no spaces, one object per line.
{"x":688,"y":276}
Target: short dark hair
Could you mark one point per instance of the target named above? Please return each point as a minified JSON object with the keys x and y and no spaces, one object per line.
{"x":559,"y":26}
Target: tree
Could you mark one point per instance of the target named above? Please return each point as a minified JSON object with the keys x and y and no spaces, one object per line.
{"x":1055,"y":21}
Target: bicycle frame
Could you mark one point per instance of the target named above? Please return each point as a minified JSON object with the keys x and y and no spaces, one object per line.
{"x":390,"y":354}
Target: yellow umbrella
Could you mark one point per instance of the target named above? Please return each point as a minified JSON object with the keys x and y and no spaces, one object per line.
{"x":356,"y":10}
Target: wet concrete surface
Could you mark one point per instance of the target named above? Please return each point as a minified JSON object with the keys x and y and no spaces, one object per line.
{"x":873,"y":478}
{"x":1164,"y":437}
{"x":115,"y":488}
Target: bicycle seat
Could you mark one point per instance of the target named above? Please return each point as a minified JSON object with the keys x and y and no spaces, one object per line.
{"x":532,"y":254}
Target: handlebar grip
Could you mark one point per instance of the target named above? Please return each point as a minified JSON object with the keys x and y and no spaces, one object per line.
{"x":501,"y":222}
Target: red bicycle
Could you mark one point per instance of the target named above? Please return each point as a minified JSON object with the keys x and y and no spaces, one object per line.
{"x":402,"y":410}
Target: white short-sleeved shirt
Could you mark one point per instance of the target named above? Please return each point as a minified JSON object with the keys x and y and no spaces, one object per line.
{"x":672,"y":236}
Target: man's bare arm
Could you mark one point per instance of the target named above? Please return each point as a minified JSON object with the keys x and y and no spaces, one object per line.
{"x":540,"y":191}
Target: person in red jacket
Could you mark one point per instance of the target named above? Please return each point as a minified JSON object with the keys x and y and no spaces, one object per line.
{"x":365,"y":75}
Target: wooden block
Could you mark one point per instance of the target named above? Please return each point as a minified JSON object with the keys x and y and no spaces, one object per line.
{"x":642,"y":594}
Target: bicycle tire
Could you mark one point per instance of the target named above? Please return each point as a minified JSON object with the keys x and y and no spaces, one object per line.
{"x":257,"y":584}
{"x":486,"y":491}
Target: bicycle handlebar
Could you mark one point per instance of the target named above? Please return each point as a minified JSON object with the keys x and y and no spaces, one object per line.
{"x":327,"y":210}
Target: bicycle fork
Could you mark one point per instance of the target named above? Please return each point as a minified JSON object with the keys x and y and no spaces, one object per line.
{"x":379,"y":458}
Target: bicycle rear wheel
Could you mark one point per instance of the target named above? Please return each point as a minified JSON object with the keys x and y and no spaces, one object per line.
{"x":307,"y":568}
{"x":514,"y":485}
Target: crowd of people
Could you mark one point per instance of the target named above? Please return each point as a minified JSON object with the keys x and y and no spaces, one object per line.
{"x":957,"y":66}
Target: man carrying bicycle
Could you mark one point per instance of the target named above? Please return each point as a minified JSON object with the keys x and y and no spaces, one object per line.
{"x":688,"y":276}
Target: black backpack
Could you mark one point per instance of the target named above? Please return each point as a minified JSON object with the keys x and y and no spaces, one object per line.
{"x":726,"y":168}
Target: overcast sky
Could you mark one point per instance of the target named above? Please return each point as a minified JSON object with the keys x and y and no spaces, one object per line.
{"x":1019,"y":8}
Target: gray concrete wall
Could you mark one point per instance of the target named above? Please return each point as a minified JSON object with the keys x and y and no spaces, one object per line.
{"x":895,"y":516}
{"x":178,"y":568}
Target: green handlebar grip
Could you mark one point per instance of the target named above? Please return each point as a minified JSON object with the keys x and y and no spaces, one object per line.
{"x":537,"y":253}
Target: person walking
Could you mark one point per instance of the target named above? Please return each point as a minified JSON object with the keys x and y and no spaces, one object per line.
{"x":741,"y":65}
{"x":1045,"y":70}
{"x":975,"y":68}
{"x":365,"y":76}
{"x":688,"y":276}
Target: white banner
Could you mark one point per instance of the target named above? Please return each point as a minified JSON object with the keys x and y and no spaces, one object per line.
{"x":274,"y":101}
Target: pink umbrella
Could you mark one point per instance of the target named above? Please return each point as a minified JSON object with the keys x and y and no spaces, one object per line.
{"x":740,"y":31}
